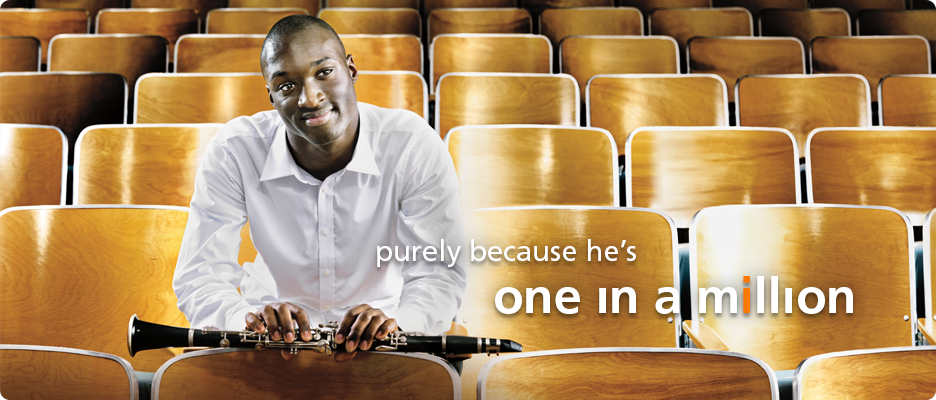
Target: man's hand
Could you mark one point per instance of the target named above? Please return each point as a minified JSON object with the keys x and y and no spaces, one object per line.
{"x":359,"y":327}
{"x":277,"y":318}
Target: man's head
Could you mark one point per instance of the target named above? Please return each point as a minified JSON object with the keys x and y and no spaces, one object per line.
{"x":310,"y":79}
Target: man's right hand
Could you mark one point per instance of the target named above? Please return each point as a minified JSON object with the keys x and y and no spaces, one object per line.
{"x":277,"y":318}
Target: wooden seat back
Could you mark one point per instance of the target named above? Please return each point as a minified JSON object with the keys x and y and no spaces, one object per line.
{"x":166,"y":22}
{"x":805,"y":24}
{"x":59,"y":373}
{"x":622,"y":103}
{"x":755,"y":6}
{"x":199,"y":97}
{"x":895,"y":22}
{"x":126,"y":54}
{"x":43,"y":24}
{"x":734,"y":57}
{"x":907,"y":100}
{"x":560,"y":23}
{"x":414,"y":4}
{"x":468,"y":52}
{"x":33,"y":159}
{"x":804,"y":246}
{"x":871,"y":56}
{"x":20,"y":54}
{"x":478,"y":20}
{"x":247,"y":21}
{"x":91,"y":268}
{"x":680,"y":171}
{"x":586,"y":56}
{"x":854,"y":6}
{"x":529,"y":165}
{"x":429,"y":5}
{"x":201,"y":7}
{"x":310,"y":6}
{"x":396,"y":376}
{"x":385,"y":52}
{"x":91,"y":6}
{"x":622,"y":372}
{"x":902,"y":372}
{"x":647,"y":6}
{"x":373,"y":21}
{"x":536,"y":7}
{"x":684,"y":23}
{"x":394,"y":89}
{"x":894,"y":167}
{"x":492,"y":99}
{"x":801,"y":103}
{"x":218,"y":53}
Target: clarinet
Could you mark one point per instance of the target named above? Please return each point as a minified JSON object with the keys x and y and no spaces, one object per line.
{"x":143,"y":335}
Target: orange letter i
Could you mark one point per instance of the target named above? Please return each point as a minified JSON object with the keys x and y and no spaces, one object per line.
{"x":747,"y":296}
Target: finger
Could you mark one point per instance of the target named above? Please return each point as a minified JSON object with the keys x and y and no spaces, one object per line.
{"x":345,"y":326}
{"x":388,"y":326}
{"x":342,"y":356}
{"x":272,"y":322}
{"x":305,"y":326}
{"x":357,"y":330}
{"x":284,"y":312}
{"x":254,"y":323}
{"x":287,"y":355}
{"x":370,"y":331}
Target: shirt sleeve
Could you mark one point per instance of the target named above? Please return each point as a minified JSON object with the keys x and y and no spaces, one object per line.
{"x":429,"y":212}
{"x":207,"y":273}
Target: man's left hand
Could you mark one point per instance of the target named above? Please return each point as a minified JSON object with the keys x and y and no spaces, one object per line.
{"x":360,"y":327}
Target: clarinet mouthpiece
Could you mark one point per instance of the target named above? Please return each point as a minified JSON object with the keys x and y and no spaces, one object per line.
{"x":509,"y":346}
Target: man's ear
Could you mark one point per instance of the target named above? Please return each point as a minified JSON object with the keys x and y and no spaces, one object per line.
{"x":352,"y":68}
{"x":270,"y":94}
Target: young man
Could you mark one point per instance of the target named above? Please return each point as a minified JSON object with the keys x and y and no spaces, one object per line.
{"x":324,"y":181}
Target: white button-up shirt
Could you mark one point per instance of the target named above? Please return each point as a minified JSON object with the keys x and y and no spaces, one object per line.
{"x":317,"y":240}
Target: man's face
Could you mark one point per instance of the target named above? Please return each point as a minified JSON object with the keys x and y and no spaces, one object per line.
{"x":311,"y":85}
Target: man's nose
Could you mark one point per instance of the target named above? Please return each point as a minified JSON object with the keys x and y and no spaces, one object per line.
{"x":311,"y":95}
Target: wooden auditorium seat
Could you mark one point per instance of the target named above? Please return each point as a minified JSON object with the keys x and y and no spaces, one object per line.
{"x":414,"y":4}
{"x":247,"y":21}
{"x":47,"y":372}
{"x":685,"y":23}
{"x":871,"y":56}
{"x":895,"y":22}
{"x":166,"y":22}
{"x":218,"y":53}
{"x":477,"y":20}
{"x":473,"y":52}
{"x":536,"y":7}
{"x":805,"y":24}
{"x":801,"y":103}
{"x":179,"y":98}
{"x":373,"y":21}
{"x":898,"y":372}
{"x":91,"y":6}
{"x":734,"y":57}
{"x":927,"y":276}
{"x":560,"y":23}
{"x":647,"y":6}
{"x":310,"y":6}
{"x":636,"y":322}
{"x":371,"y":375}
{"x":429,"y":5}
{"x":201,"y":7}
{"x":627,"y":373}
{"x":88,"y":269}
{"x":394,"y":89}
{"x":907,"y":100}
{"x":855,"y":6}
{"x":385,"y":52}
{"x":20,"y":54}
{"x":586,"y":56}
{"x":680,"y":171}
{"x":823,"y":247}
{"x":531,"y":165}
{"x":129,"y":55}
{"x":755,"y":6}
{"x":43,"y":24}
{"x":622,"y":103}
{"x":33,"y":159}
{"x":493,"y":99}
{"x":881,"y":166}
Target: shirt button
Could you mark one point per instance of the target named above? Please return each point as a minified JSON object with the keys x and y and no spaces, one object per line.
{"x":325,"y":232}
{"x":328,"y":307}
{"x":327,"y":272}
{"x":325,"y":188}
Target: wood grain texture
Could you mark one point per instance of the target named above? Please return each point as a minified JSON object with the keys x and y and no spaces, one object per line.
{"x":256,"y":21}
{"x":806,"y":246}
{"x":29,"y":374}
{"x":87,"y":271}
{"x":628,"y":375}
{"x":168,"y":23}
{"x":893,"y":22}
{"x":804,"y":24}
{"x":703,"y":336}
{"x":755,"y":6}
{"x":882,"y":167}
{"x":734,"y":57}
{"x":525,"y":166}
{"x":373,"y":21}
{"x":854,"y":6}
{"x":385,"y":52}
{"x":800,"y":104}
{"x":478,"y":20}
{"x":560,"y":23}
{"x":587,"y":56}
{"x":652,"y":269}
{"x":311,"y":6}
{"x":927,"y":328}
{"x":128,"y":55}
{"x":219,"y":53}
{"x":490,"y":53}
{"x":91,"y":6}
{"x":903,"y":374}
{"x":19,"y":54}
{"x":42,"y":24}
{"x":683,"y":24}
{"x":31,"y":160}
{"x":681,"y":171}
{"x":196,"y":98}
{"x":871,"y":57}
{"x":243,"y":374}
{"x":81,"y":99}
{"x":414,"y":4}
{"x":407,"y":91}
{"x":622,"y":103}
{"x":646,"y":6}
{"x":908,"y":100}
{"x":505,"y":99}
{"x":202,"y":7}
{"x":536,"y":7}
{"x":429,"y":5}
{"x":930,"y":324}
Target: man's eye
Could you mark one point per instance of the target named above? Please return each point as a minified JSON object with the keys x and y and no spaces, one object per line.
{"x":325,"y":72}
{"x":286,"y":86}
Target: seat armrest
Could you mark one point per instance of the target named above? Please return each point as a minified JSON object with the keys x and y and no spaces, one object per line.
{"x":928,"y":329}
{"x":706,"y":338}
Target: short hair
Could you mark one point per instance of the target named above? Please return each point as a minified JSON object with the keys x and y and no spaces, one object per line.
{"x":291,"y":25}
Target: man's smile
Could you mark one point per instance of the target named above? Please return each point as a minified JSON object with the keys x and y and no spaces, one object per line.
{"x":316,"y":118}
